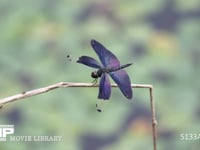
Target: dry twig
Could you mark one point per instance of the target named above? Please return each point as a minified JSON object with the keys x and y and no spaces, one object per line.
{"x":26,"y":94}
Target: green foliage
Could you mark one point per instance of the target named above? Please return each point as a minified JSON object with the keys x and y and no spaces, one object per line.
{"x":36,"y":37}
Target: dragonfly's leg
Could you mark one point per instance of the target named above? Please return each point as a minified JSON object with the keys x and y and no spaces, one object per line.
{"x":95,"y":81}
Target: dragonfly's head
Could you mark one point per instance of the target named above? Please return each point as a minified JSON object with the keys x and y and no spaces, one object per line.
{"x":94,"y":74}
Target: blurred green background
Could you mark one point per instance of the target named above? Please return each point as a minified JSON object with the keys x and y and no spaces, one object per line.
{"x":160,"y":37}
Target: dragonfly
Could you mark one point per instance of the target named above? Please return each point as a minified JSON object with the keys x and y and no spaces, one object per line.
{"x":110,"y":65}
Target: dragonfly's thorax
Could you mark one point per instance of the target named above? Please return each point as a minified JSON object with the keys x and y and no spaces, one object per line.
{"x":98,"y":73}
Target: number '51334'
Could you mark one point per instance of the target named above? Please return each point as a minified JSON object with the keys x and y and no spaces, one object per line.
{"x":190,"y":136}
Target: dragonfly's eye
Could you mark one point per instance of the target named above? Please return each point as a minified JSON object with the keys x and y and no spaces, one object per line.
{"x":94,"y":74}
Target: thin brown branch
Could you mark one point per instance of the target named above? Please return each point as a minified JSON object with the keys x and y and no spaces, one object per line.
{"x":26,"y":94}
{"x":153,"y":116}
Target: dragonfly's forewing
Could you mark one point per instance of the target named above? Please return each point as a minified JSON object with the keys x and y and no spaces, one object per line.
{"x":108,"y":59}
{"x":88,"y":61}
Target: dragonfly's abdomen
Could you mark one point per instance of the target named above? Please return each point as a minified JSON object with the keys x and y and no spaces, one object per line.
{"x":98,"y":73}
{"x":118,"y":68}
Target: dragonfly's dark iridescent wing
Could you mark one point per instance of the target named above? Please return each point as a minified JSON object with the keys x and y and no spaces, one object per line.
{"x":123,"y":81}
{"x":88,"y":61}
{"x":104,"y":87}
{"x":108,"y":59}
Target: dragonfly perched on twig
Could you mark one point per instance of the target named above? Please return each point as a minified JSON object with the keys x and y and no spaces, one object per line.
{"x":110,"y":65}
